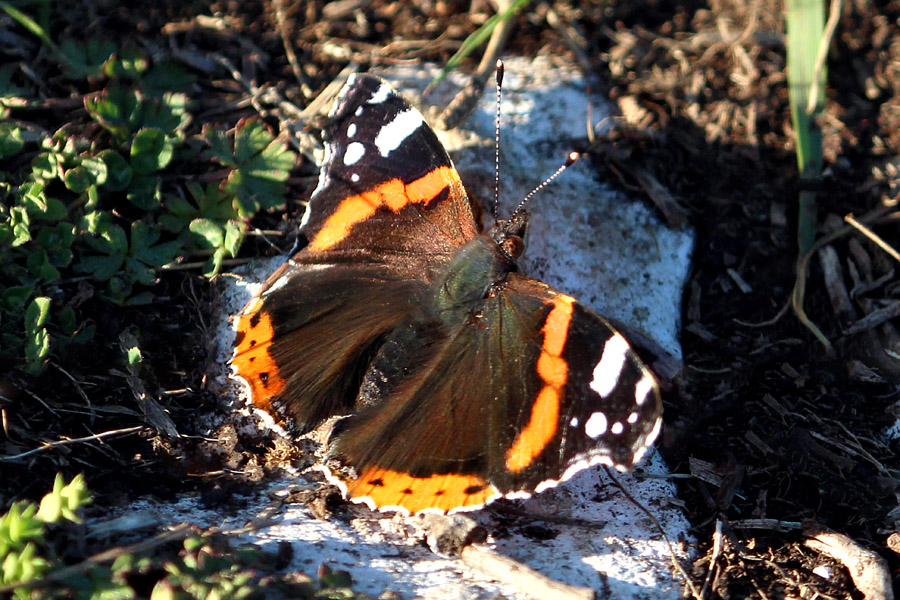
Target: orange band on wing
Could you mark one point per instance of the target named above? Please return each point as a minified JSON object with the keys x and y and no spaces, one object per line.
{"x":442,"y":492}
{"x":392,"y":194}
{"x":554,"y":372}
{"x":251,"y":355}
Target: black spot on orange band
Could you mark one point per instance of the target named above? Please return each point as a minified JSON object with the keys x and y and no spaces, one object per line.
{"x":252,"y":359}
{"x":442,"y":492}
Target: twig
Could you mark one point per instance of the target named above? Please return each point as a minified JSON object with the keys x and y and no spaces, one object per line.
{"x":716,"y":550}
{"x":834,"y":16}
{"x":289,"y":48}
{"x":89,"y":438}
{"x":524,"y":579}
{"x":662,"y":532}
{"x":873,"y":236}
{"x":867,"y":569}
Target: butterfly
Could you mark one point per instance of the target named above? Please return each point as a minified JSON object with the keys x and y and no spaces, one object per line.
{"x":458,"y":379}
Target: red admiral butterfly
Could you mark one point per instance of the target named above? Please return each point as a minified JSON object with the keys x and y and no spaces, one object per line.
{"x":463,"y":379}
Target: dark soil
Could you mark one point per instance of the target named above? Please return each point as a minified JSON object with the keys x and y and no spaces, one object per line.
{"x":772,"y":427}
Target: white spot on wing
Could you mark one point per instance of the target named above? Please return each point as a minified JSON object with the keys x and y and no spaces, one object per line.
{"x":355,"y":151}
{"x":351,"y":130}
{"x":608,"y":370}
{"x":354,"y":178}
{"x":381,"y":94}
{"x":632,"y":418}
{"x":358,"y":112}
{"x":617,"y":428}
{"x":595,"y":425}
{"x":642,"y":390}
{"x":574,"y":422}
{"x":401,"y":127}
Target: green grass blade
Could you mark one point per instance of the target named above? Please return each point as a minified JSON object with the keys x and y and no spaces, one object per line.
{"x":28,"y":23}
{"x":478,"y":38}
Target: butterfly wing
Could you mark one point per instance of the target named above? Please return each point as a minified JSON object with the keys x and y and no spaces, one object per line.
{"x":387,"y":190}
{"x":389,"y":212}
{"x":550,"y":388}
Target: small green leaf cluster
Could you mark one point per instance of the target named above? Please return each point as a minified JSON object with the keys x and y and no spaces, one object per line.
{"x":101,"y":205}
{"x":205,"y":566}
{"x":23,"y":527}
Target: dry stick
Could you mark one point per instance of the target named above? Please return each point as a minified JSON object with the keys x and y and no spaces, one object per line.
{"x":873,"y":236}
{"x":90,"y":438}
{"x":289,"y":48}
{"x":690,"y":584}
{"x":524,"y":579}
{"x":873,"y":215}
{"x":834,"y":16}
{"x":868,"y":570}
{"x":716,"y":551}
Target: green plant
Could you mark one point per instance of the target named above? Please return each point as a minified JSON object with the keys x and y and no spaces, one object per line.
{"x":22,"y":531}
{"x":808,"y":41}
{"x":113,"y":198}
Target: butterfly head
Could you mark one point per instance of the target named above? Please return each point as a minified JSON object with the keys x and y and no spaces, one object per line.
{"x":510,"y":233}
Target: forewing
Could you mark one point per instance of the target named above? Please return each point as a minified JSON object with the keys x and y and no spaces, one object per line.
{"x":387,"y":187}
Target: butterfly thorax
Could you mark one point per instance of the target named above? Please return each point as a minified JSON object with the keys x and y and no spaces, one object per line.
{"x":468,"y":279}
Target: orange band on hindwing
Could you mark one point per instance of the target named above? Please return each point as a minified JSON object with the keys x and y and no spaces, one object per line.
{"x":554,"y":372}
{"x":252,"y":358}
{"x":444,"y":492}
{"x":392,"y":194}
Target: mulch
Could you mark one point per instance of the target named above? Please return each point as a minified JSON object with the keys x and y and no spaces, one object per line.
{"x":782,"y":437}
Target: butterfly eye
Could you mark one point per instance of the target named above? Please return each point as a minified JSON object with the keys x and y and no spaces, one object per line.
{"x":513,"y":246}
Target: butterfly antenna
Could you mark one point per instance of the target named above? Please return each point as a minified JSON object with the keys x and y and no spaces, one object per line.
{"x":497,"y":140}
{"x":570,"y":160}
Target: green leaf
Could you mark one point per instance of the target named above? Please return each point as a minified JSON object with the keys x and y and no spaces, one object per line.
{"x":11,"y":95}
{"x":15,"y":297}
{"x":101,"y":268}
{"x":65,"y":318}
{"x":37,"y":340}
{"x":207,"y":234}
{"x":57,"y":241}
{"x":133,"y":356}
{"x":38,"y":264}
{"x":127,"y":63}
{"x":140,"y":299}
{"x":108,"y":239}
{"x":77,"y":179}
{"x":45,"y":166}
{"x":168,"y":76}
{"x":95,"y":222}
{"x":96,"y":168}
{"x":234,"y":236}
{"x":84,"y":59}
{"x":116,"y":108}
{"x":214,"y":264}
{"x":20,"y":224}
{"x":11,"y":141}
{"x":144,"y":192}
{"x":36,"y":314}
{"x":118,"y":171}
{"x":260,"y":165}
{"x":151,"y":151}
{"x":145,"y":249}
{"x":39,"y":207}
{"x":179,"y":215}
